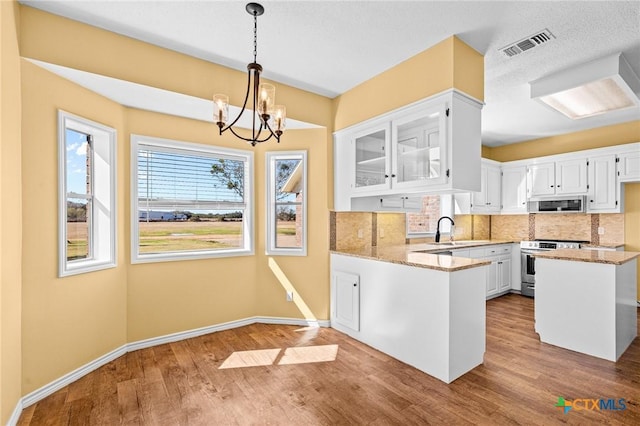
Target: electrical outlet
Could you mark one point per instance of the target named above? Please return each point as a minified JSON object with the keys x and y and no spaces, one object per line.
{"x":381,"y":232}
{"x":360,"y":233}
{"x":600,"y":230}
{"x":289,"y":296}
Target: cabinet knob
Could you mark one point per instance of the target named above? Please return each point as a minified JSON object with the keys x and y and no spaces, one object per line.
{"x":393,"y":176}
{"x":591,"y":201}
{"x":386,"y":176}
{"x":355,"y":284}
{"x":557,"y":186}
{"x":551,"y":186}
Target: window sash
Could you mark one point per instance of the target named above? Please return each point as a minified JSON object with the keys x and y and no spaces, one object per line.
{"x":189,"y":154}
{"x":100,"y":196}
{"x":272,"y":204}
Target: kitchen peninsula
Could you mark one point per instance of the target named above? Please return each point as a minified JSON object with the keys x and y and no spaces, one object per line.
{"x":427,"y":310}
{"x":586,"y":300}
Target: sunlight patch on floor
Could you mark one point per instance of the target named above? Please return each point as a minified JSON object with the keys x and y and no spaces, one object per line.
{"x":253,"y":358}
{"x":288,"y":356}
{"x":307,"y":354}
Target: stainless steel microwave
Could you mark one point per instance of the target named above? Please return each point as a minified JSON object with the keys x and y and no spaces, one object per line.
{"x":575,"y":204}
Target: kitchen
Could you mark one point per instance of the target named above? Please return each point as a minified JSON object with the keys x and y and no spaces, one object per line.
{"x":570,"y":202}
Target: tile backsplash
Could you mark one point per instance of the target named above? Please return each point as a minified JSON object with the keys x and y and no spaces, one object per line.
{"x":363,"y":230}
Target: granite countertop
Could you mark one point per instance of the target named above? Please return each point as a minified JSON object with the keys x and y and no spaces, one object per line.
{"x":419,"y":255}
{"x":597,"y":246}
{"x":591,"y":256}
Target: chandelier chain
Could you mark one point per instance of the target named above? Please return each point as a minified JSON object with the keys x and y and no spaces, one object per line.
{"x":255,"y":36}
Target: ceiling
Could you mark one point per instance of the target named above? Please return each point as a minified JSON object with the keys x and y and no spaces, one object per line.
{"x":328,"y":47}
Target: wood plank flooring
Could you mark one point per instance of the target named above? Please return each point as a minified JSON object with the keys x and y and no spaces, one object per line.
{"x":262,"y":382}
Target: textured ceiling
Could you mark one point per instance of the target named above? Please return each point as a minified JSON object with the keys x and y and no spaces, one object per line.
{"x":328,"y":47}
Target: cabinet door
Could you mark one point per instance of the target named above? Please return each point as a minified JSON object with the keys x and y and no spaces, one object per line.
{"x":492,"y":189}
{"x":514,"y":190}
{"x":346,"y":300}
{"x":571,"y":176}
{"x":372,"y":163}
{"x":504,"y":271}
{"x":478,"y":199}
{"x":629,"y":166}
{"x":418,"y":148}
{"x":602,"y":183}
{"x":492,"y":277}
{"x":541,"y":179}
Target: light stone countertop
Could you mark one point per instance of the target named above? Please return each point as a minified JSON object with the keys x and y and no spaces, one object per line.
{"x":590,"y":256}
{"x":416,"y":255}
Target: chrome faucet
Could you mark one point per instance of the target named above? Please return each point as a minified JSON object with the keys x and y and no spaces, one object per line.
{"x":438,"y":228}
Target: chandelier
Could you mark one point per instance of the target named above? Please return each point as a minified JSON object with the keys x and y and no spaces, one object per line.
{"x":270,"y":117}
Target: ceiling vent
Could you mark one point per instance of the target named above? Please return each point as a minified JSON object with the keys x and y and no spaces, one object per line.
{"x":540,"y":37}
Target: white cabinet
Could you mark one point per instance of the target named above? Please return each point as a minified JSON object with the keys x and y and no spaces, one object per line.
{"x":504,"y":274}
{"x":541,"y":179}
{"x":346,"y":299}
{"x":487,"y":200}
{"x":558,"y":178}
{"x":430,"y":146}
{"x":629,"y":166}
{"x":492,"y":278}
{"x":498,"y":273}
{"x":571,"y":176}
{"x":603,"y":194}
{"x":514,"y":190}
{"x":371,"y":148}
{"x":405,"y":204}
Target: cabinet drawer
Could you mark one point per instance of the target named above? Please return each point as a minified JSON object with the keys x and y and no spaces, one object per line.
{"x":497,"y":250}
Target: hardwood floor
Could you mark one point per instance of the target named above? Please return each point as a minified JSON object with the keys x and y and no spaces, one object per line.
{"x":210,"y":380}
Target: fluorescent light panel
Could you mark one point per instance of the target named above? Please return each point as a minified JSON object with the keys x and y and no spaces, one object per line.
{"x":595,"y":88}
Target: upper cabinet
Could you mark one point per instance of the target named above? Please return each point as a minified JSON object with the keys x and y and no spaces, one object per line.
{"x":514,"y":190}
{"x":487,"y":200}
{"x":430,"y":146}
{"x":371,"y":163}
{"x":566,"y":177}
{"x":603,"y":189}
{"x":629,"y":166}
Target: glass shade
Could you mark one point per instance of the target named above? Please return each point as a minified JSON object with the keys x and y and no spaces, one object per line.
{"x":279,"y":118}
{"x":220,"y":109}
{"x":266,"y":98}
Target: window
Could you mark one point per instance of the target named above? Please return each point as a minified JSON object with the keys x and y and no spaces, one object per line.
{"x":189,"y":201}
{"x":87,"y":199}
{"x":287,"y":203}
{"x":425,"y":222}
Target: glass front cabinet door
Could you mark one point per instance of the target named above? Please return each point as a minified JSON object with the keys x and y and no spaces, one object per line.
{"x":372,"y":151}
{"x":419,"y":148}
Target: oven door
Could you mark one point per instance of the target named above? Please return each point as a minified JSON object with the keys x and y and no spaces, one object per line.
{"x":528,"y":272}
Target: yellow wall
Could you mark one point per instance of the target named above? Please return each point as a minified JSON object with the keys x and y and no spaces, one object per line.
{"x":595,"y":138}
{"x":70,"y":321}
{"x":10,"y":212}
{"x":450,"y":63}
{"x":616,"y":134}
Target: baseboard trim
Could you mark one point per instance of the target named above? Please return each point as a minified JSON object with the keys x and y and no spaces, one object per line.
{"x":71,"y":377}
{"x":78,"y":373}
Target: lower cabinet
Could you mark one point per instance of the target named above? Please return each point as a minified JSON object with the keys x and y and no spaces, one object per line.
{"x":499,"y":271}
{"x":346,"y":299}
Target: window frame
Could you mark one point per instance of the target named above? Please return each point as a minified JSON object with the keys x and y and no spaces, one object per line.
{"x":271,"y":203}
{"x":102,"y":222}
{"x":447,"y":208}
{"x":186,"y":148}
